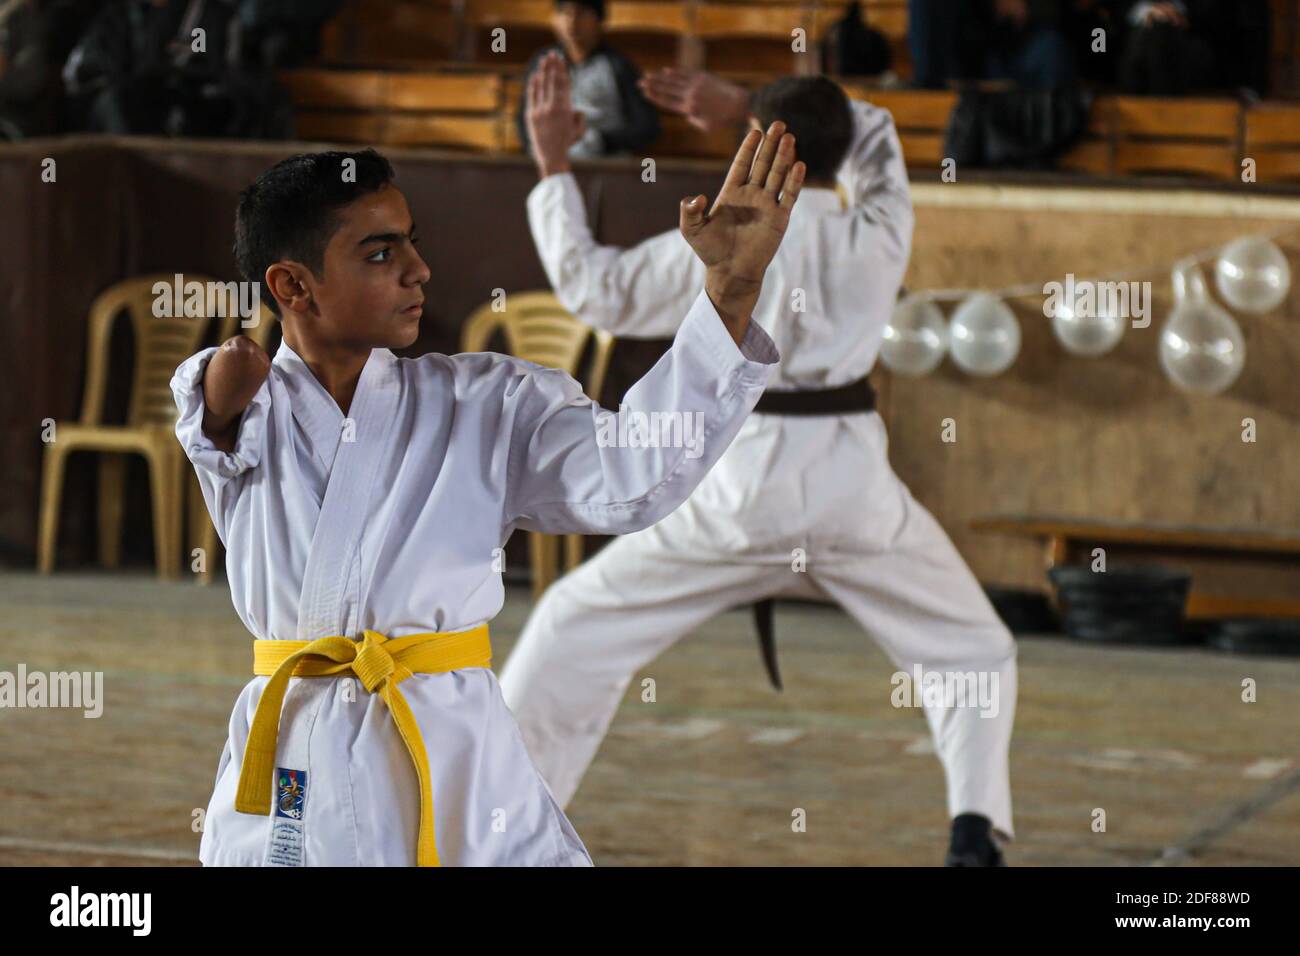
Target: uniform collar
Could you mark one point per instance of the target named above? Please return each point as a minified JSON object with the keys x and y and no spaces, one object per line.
{"x":314,"y":407}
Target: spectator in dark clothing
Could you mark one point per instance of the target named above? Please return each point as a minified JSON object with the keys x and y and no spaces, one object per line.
{"x":1021,"y":41}
{"x":615,"y":117}
{"x":278,"y":34}
{"x":1168,"y":51}
{"x":945,"y":40}
{"x":1027,"y":45}
{"x":1176,"y":47}
{"x":1245,"y":49}
{"x":1098,"y":67}
{"x":852,"y":48}
{"x":126,"y":70}
{"x":137,"y":69}
{"x":24,"y":99}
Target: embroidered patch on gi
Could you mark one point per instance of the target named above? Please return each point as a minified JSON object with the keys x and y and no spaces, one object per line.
{"x":286,"y":847}
{"x":290,"y":793}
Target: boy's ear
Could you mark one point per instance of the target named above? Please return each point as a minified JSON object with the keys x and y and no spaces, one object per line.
{"x":285,"y":281}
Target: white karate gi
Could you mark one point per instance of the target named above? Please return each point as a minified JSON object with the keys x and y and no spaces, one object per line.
{"x":394,"y":529}
{"x":821,"y":484}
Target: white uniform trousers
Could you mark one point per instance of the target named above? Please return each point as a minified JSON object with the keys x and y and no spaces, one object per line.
{"x":914,"y":595}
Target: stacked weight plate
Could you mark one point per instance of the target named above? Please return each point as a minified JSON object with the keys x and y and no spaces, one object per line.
{"x":1273,"y":638}
{"x":1022,"y":611}
{"x":1142,"y":605}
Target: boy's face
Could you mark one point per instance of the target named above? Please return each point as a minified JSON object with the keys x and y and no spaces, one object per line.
{"x":577,"y":27}
{"x":370,"y":296}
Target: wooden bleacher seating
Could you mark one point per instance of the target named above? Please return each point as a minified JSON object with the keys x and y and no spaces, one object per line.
{"x":920,"y":117}
{"x":399,"y":109}
{"x":383,"y":33}
{"x":391,"y":33}
{"x":752,"y":36}
{"x":527,"y":25}
{"x":510,"y":13}
{"x":1273,"y":141}
{"x":453,"y":91}
{"x":475,"y":109}
{"x":1095,"y":153}
{"x":719,"y":34}
{"x":1199,"y":137}
{"x":649,"y":32}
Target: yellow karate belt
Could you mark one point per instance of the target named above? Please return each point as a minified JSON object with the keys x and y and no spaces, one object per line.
{"x":380,"y":663}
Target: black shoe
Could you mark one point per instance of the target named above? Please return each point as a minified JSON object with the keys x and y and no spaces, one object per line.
{"x":972,"y":843}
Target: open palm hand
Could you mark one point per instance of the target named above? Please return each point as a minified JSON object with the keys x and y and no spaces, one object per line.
{"x":739,"y":236}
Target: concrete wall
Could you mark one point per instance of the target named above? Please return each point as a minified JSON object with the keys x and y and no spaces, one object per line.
{"x":1108,"y":438}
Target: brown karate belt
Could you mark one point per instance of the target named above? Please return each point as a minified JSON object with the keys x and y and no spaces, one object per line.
{"x":857,"y":396}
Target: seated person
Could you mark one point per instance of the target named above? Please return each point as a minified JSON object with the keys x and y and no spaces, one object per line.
{"x":1026,"y":45}
{"x":611,"y":115}
{"x":1020,"y":42}
{"x":24,"y":94}
{"x":945,"y":41}
{"x":1167,"y":52}
{"x":1175,"y":47}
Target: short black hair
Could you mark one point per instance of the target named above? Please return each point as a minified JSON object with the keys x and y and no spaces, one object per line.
{"x":289,"y":211}
{"x":817,"y":112}
{"x":595,"y":6}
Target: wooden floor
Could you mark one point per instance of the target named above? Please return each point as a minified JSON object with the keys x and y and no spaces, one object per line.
{"x":709,"y":773}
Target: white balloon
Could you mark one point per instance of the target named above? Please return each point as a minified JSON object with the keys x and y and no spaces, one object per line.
{"x":1088,"y":335}
{"x":984,"y":336}
{"x":1201,"y":347}
{"x":915,"y":338}
{"x":1252,"y":274}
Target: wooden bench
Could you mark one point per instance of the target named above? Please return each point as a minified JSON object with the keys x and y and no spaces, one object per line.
{"x":461,"y":105}
{"x":1273,"y":141}
{"x":650,"y":33}
{"x":1067,"y":537}
{"x":1125,"y":136}
{"x":508,"y":13}
{"x":390,"y":32}
{"x":1200,"y":137}
{"x":920,"y":116}
{"x":719,"y":35}
{"x":398,"y":109}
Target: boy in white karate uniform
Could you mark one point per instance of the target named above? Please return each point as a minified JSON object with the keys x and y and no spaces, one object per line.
{"x":361,"y":498}
{"x":804,"y":502}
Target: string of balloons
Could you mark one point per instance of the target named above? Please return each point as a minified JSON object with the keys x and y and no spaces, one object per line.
{"x":1201,"y":346}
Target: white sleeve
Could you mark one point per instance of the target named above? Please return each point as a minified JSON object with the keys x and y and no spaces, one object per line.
{"x":576,"y":467}
{"x":874,"y":176}
{"x":221,"y":473}
{"x":639,"y":292}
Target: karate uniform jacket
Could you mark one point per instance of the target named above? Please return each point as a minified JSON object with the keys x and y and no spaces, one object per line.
{"x":390,"y":519}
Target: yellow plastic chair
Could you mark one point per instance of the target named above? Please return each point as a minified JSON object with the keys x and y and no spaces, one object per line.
{"x":202,"y":532}
{"x":161,"y":344}
{"x":538,"y":329}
